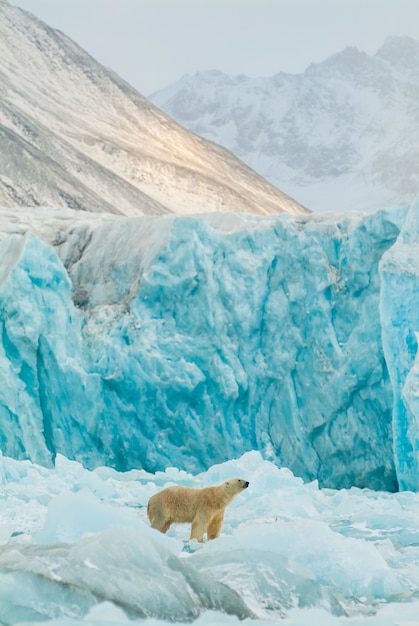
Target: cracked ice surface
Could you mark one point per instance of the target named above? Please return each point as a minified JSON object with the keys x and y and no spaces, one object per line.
{"x":76,"y":548}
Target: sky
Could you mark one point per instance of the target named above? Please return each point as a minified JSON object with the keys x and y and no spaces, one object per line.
{"x":153,"y":43}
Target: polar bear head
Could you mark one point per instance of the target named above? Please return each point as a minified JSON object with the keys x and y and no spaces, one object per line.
{"x":236,"y":485}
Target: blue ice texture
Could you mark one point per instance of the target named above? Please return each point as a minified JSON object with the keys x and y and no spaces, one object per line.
{"x":186,"y":341}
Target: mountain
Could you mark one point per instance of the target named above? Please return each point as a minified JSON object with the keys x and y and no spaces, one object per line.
{"x":343,"y":135}
{"x":73,"y":134}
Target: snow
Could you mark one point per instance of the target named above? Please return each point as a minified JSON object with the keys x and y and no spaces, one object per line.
{"x":340,"y":136}
{"x":79,"y":544}
{"x":75,"y":134}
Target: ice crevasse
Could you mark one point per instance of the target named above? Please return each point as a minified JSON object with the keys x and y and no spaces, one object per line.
{"x":185,"y":341}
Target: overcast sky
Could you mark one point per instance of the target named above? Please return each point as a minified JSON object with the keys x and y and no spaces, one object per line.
{"x":152,"y":43}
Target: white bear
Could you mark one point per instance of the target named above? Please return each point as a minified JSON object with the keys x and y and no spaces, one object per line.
{"x":203,"y":508}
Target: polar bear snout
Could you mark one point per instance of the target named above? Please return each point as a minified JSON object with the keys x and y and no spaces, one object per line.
{"x":241,"y":483}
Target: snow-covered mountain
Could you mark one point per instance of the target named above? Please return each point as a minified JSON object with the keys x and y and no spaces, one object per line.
{"x":344,"y":135}
{"x":73,"y":134}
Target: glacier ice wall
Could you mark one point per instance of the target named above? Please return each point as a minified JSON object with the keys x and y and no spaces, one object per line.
{"x":46,"y":393}
{"x":399,"y":308}
{"x":180,"y":341}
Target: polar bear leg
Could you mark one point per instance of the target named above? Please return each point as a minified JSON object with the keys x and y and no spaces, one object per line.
{"x":214,"y":526}
{"x":199,"y":526}
{"x":165,"y":527}
{"x":159,"y":522}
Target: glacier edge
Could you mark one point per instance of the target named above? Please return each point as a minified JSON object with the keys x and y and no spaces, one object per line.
{"x":399,"y":309}
{"x":186,"y":341}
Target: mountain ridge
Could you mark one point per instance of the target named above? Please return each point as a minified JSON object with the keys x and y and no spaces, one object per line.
{"x":77,"y":135}
{"x":341,"y":135}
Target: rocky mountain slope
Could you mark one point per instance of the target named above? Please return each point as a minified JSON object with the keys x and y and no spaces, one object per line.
{"x":343,"y":135}
{"x":73,"y":134}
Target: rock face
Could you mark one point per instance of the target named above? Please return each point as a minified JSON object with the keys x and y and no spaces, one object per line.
{"x":73,"y":134}
{"x":186,"y":341}
{"x":344,"y":135}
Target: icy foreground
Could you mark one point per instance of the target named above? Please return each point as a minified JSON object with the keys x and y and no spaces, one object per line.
{"x":185,"y":341}
{"x":76,"y":548}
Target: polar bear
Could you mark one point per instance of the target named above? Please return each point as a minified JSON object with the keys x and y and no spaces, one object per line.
{"x":204,"y":508}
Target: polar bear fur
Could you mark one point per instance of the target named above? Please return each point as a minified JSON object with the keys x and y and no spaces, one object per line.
{"x":203,"y":508}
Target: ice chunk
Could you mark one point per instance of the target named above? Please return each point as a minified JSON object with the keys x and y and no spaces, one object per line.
{"x":289,"y":552}
{"x":70,"y":516}
{"x":128,"y":568}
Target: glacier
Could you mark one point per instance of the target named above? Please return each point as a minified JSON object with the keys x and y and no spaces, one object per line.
{"x":399,"y":308}
{"x":186,"y":341}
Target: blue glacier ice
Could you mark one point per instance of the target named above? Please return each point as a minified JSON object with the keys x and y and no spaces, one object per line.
{"x":399,"y":308}
{"x":187,"y":341}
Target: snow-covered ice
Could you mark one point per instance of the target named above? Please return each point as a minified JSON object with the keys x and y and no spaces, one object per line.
{"x":76,"y":548}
